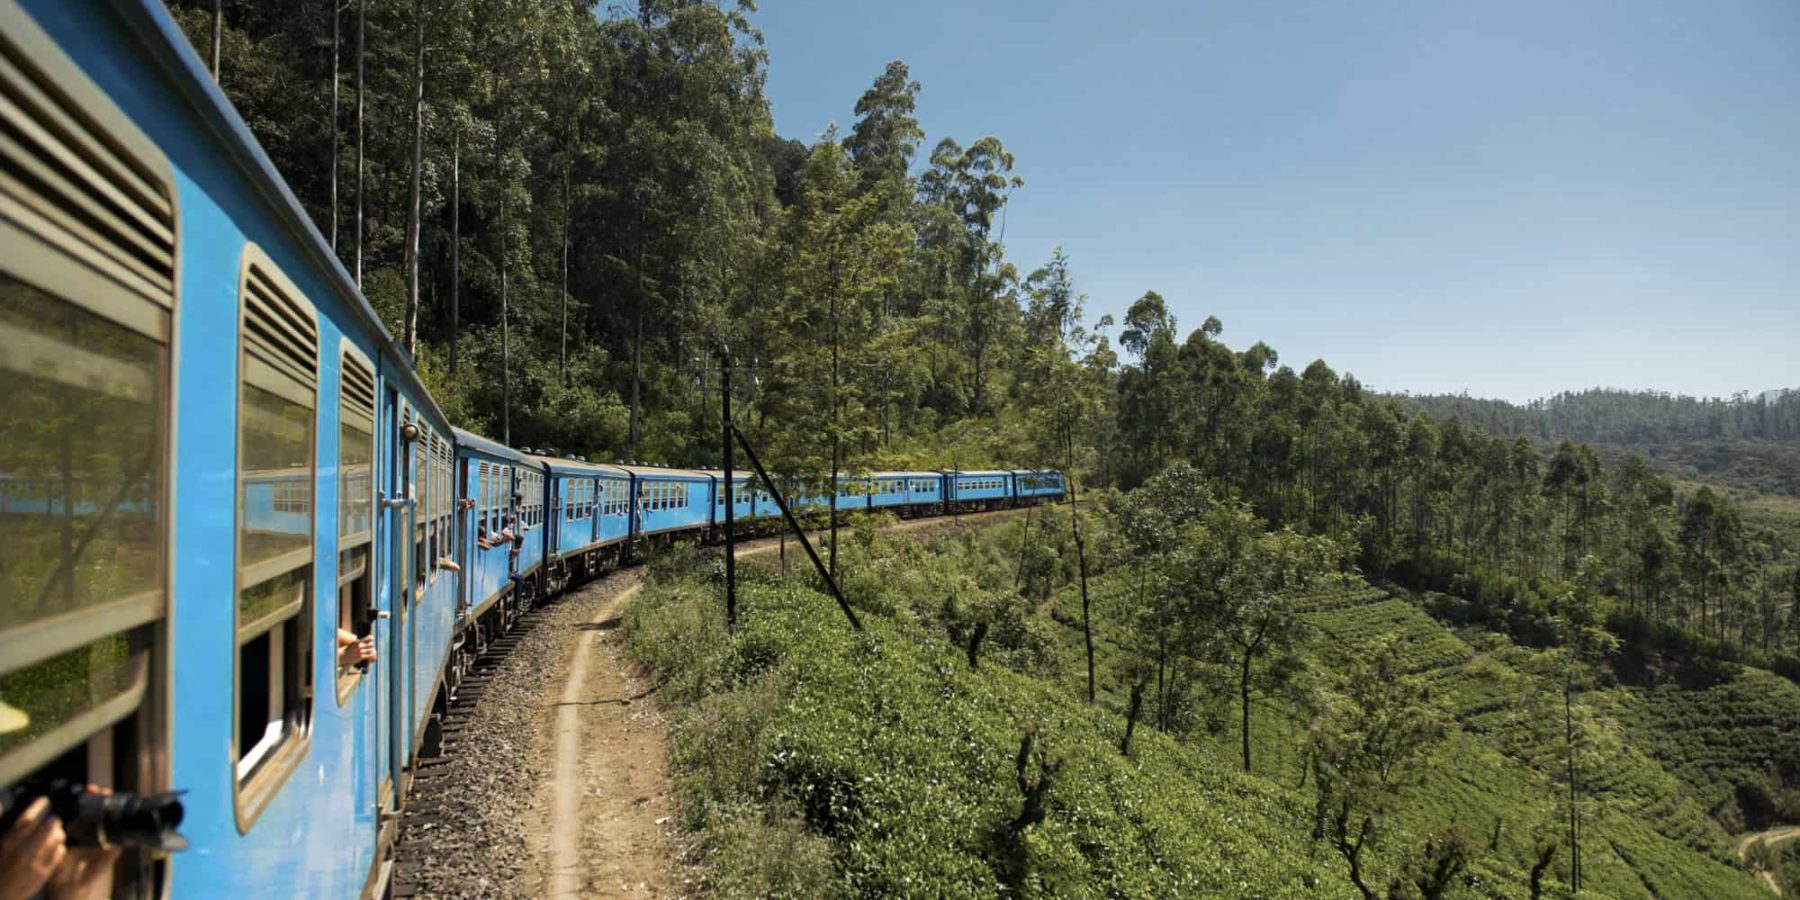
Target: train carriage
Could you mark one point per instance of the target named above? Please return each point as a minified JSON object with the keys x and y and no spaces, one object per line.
{"x":1034,"y":486}
{"x":986,"y":489}
{"x":909,"y":493}
{"x":668,"y":501}
{"x":589,"y":516}
{"x":743,"y":495}
{"x":501,"y":541}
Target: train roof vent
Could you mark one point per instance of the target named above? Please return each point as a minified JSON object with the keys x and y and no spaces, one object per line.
{"x":279,"y":328}
{"x":358,"y":389}
{"x":75,"y":172}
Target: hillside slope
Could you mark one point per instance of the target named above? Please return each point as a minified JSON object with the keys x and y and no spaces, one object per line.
{"x":812,"y":760}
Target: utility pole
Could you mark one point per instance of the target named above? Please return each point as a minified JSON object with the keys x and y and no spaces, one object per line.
{"x":730,"y":490}
{"x":728,"y":462}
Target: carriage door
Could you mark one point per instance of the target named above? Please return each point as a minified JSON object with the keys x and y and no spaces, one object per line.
{"x":396,"y":591}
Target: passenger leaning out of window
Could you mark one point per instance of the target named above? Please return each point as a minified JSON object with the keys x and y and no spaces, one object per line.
{"x":354,"y":652}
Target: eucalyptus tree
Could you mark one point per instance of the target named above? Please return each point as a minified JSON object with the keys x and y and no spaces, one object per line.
{"x":1376,"y":734}
{"x":973,"y":185}
{"x":841,"y":254}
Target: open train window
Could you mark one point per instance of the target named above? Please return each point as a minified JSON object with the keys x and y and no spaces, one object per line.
{"x":356,"y":502}
{"x":87,"y":296}
{"x":419,"y":479}
{"x":481,"y":499}
{"x":278,"y":377}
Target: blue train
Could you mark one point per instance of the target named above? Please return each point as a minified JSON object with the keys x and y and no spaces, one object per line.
{"x":214,"y":462}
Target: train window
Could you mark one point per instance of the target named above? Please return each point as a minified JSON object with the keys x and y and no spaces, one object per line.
{"x":83,"y":452}
{"x":447,"y":513}
{"x":356,"y":510}
{"x":87,"y":289}
{"x":480,"y":498}
{"x":420,"y":482}
{"x":277,"y":404}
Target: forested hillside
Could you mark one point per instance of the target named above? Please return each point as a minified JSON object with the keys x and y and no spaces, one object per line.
{"x":1748,"y":442}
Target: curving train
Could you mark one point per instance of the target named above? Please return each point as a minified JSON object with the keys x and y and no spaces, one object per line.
{"x":214,"y":463}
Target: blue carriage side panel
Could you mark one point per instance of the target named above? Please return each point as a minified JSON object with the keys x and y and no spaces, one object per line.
{"x":613,"y":522}
{"x":489,"y":568}
{"x":668,"y":500}
{"x":982,"y":485}
{"x":744,"y":495}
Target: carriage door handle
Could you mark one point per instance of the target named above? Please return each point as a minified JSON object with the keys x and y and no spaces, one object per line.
{"x":397,"y":502}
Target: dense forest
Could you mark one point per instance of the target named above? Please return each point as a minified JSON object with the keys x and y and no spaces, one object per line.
{"x":1752,"y":443}
{"x":1630,"y":418}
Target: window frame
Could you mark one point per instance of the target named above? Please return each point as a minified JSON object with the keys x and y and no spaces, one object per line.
{"x":347,"y":681}
{"x":253,"y":791}
{"x":47,"y":250}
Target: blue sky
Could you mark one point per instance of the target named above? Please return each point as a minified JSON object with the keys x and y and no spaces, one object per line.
{"x":1505,"y":198}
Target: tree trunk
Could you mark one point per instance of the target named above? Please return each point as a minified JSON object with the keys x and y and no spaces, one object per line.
{"x":337,"y":27}
{"x":505,"y":326}
{"x":361,"y":35}
{"x":1087,"y":619}
{"x":981,"y":630}
{"x":410,"y":334}
{"x":1244,"y":695}
{"x":455,"y":245}
{"x":1131,"y":715}
{"x":637,"y":351}
{"x":836,"y":450}
{"x":562,"y":347}
{"x":1569,"y":754}
{"x":218,"y":35}
{"x":1024,"y":542}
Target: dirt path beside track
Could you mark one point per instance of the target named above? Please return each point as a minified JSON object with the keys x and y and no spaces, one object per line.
{"x":559,"y":784}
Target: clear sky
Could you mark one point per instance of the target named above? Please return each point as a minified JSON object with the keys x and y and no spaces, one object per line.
{"x":1506,"y":198}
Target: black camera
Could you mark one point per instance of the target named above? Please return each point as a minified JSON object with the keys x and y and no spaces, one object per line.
{"x":89,"y":819}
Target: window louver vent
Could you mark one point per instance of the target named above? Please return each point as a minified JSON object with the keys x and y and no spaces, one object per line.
{"x":94,"y":192}
{"x":358,"y":391}
{"x":279,"y":328}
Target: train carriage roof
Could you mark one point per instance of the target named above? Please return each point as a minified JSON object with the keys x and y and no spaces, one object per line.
{"x":471,"y":441}
{"x":562,"y":465}
{"x":657,"y":472}
{"x":977,"y":473}
{"x":221,"y":129}
{"x":904,"y":474}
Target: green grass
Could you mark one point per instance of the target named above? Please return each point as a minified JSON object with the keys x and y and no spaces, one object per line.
{"x":813,"y":761}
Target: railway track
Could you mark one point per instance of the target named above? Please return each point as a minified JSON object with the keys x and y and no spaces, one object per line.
{"x":426,"y":832}
{"x":470,"y":827}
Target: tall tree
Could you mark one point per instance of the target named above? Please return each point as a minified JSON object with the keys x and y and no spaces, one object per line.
{"x":1377,"y":731}
{"x":410,"y":334}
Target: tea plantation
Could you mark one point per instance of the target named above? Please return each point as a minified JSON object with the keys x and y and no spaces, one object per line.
{"x":812,"y":760}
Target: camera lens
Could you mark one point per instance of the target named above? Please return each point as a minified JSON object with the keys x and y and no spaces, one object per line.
{"x":121,"y":820}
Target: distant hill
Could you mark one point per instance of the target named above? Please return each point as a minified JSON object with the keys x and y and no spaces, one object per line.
{"x":1749,"y":442}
